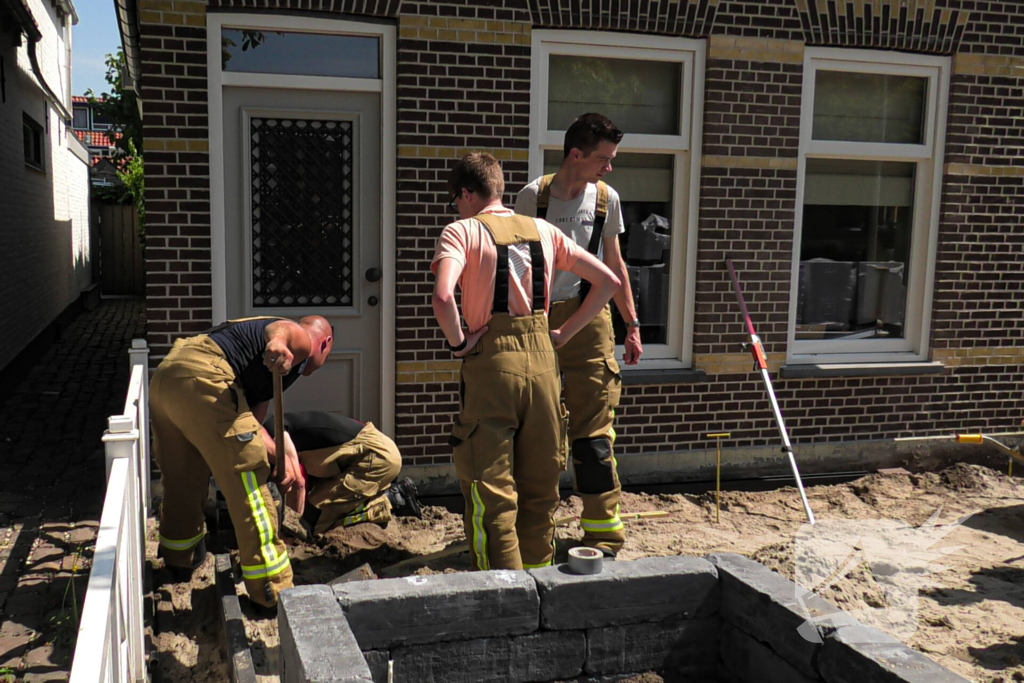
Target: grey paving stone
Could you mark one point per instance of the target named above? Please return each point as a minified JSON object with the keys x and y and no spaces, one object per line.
{"x":667,"y":645}
{"x":751,"y":660}
{"x":542,"y":656}
{"x":428,"y":609}
{"x":317,"y":645}
{"x":377,"y":660}
{"x":764,"y":604}
{"x":861,"y":654}
{"x":650,"y":589}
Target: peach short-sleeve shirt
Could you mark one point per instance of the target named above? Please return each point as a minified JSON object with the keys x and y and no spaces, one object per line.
{"x":470,"y":243}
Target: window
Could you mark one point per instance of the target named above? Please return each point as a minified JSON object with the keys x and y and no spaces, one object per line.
{"x":649,"y":92}
{"x":295,"y":53}
{"x":869,"y":180}
{"x":34,"y":141}
{"x":81,"y":118}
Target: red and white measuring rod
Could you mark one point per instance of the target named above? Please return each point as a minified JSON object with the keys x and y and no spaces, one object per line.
{"x":761,"y":362}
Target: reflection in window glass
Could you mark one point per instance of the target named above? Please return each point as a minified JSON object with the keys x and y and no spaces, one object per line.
{"x":306,"y":54}
{"x":639,"y":96}
{"x":644,"y":183}
{"x":862,"y":107}
{"x":855,"y":249}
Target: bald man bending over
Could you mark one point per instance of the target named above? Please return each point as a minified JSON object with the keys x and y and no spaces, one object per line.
{"x":207,"y":401}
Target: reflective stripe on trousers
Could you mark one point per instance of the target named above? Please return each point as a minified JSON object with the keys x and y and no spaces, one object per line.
{"x":273,"y":563}
{"x":479,"y":539}
{"x":600,"y":525}
{"x":187,"y":544}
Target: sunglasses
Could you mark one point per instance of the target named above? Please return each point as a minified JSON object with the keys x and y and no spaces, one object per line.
{"x":451,"y":203}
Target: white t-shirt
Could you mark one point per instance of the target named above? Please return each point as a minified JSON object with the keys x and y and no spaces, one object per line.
{"x":575,"y":218}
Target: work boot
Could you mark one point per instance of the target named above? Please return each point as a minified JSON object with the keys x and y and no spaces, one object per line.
{"x":184,"y":574}
{"x":402,"y":496}
{"x":310,"y":516}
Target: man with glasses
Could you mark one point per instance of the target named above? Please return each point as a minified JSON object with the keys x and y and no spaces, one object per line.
{"x":587,"y":211}
{"x":509,"y":437}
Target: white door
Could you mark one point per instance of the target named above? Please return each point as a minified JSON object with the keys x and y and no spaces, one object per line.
{"x":302,"y":191}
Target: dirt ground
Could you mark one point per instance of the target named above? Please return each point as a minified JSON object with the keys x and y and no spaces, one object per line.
{"x":971,"y":617}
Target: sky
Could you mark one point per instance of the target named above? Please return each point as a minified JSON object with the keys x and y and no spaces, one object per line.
{"x":94,"y":37}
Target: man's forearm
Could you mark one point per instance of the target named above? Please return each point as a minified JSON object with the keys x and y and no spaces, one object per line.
{"x":447,"y":314}
{"x":623,"y":295}
{"x":600,"y":293}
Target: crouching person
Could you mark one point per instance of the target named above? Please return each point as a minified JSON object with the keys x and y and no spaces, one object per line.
{"x":350,"y":470}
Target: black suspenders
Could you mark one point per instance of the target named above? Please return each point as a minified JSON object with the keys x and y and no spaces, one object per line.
{"x":501,"y":277}
{"x":596,"y":232}
{"x":593,"y":247}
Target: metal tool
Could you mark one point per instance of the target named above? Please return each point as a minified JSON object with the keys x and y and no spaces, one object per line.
{"x":761,"y":363}
{"x":718,"y":469}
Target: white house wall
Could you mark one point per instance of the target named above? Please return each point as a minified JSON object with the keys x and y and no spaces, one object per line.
{"x":44,"y":217}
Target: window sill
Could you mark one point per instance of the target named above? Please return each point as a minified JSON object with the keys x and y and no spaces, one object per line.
{"x":660,"y":372}
{"x":815,"y":371}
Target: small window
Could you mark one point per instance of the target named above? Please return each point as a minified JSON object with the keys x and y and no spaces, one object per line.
{"x":35,"y":144}
{"x":300,"y":54}
{"x":81,"y":121}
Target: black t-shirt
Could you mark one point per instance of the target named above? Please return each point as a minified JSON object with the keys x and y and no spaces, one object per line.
{"x":315,"y":429}
{"x":243,"y":345}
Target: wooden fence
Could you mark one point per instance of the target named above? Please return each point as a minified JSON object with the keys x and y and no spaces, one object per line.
{"x":122,"y":269}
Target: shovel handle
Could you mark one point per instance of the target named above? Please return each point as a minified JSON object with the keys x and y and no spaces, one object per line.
{"x":279,"y":425}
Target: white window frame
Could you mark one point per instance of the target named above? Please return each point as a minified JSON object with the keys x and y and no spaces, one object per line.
{"x":685,"y":147}
{"x":928,"y":159}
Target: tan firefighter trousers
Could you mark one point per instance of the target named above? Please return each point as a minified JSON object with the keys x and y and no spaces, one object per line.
{"x":509,"y":443}
{"x":593,"y":385}
{"x":350,"y":482}
{"x":202,"y":424}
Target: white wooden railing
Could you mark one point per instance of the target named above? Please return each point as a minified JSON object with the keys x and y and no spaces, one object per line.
{"x":111,"y":645}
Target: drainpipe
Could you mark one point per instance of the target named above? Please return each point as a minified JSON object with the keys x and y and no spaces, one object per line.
{"x":50,"y":95}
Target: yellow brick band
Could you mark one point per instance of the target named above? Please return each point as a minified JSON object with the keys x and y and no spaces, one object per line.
{"x":989,"y":65}
{"x":748,"y":162}
{"x":756,"y":49}
{"x":974,"y":169}
{"x":459,"y":152}
{"x":423,"y":372}
{"x":733,"y":363}
{"x":996,"y":355}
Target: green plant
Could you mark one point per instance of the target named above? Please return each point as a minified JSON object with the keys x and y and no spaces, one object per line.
{"x":8,"y":675}
{"x":121,"y":106}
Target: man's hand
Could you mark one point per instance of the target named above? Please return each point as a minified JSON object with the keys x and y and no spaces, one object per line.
{"x":634,"y":349}
{"x":558,"y":339}
{"x":293,"y":483}
{"x":277,"y":356}
{"x":471,"y":339}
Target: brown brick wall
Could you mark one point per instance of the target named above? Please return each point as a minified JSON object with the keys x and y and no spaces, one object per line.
{"x":463,"y":84}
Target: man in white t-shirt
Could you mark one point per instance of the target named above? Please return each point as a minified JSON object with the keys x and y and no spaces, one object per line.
{"x":582,"y":206}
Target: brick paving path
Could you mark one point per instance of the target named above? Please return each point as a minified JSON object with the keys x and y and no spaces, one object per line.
{"x":52,"y":486}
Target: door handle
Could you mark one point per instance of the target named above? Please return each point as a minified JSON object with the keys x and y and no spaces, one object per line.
{"x":373,"y":274}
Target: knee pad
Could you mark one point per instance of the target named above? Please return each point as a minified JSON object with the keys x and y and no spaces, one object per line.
{"x":592,"y":461}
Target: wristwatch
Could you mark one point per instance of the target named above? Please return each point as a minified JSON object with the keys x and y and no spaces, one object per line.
{"x":459,"y":347}
{"x":635,"y":322}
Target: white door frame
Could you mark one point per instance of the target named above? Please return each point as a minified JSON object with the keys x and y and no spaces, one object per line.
{"x":217,"y":79}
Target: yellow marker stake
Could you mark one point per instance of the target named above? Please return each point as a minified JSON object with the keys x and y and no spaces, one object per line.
{"x":718,"y":436}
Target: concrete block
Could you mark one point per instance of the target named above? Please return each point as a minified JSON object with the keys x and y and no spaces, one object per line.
{"x":764,"y":604}
{"x":861,"y":654}
{"x":650,"y":589}
{"x":317,"y":645}
{"x":658,"y":646}
{"x":377,"y":660}
{"x":751,"y":660}
{"x":541,"y":656}
{"x":428,"y":609}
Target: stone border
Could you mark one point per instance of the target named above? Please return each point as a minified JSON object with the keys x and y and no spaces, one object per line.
{"x":723,"y":618}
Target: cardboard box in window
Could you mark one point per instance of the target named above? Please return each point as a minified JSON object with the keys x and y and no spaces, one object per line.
{"x":827,"y":290}
{"x":881,"y":294}
{"x":645,"y":242}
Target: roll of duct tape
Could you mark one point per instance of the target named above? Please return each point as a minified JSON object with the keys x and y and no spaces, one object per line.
{"x":585,"y":560}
